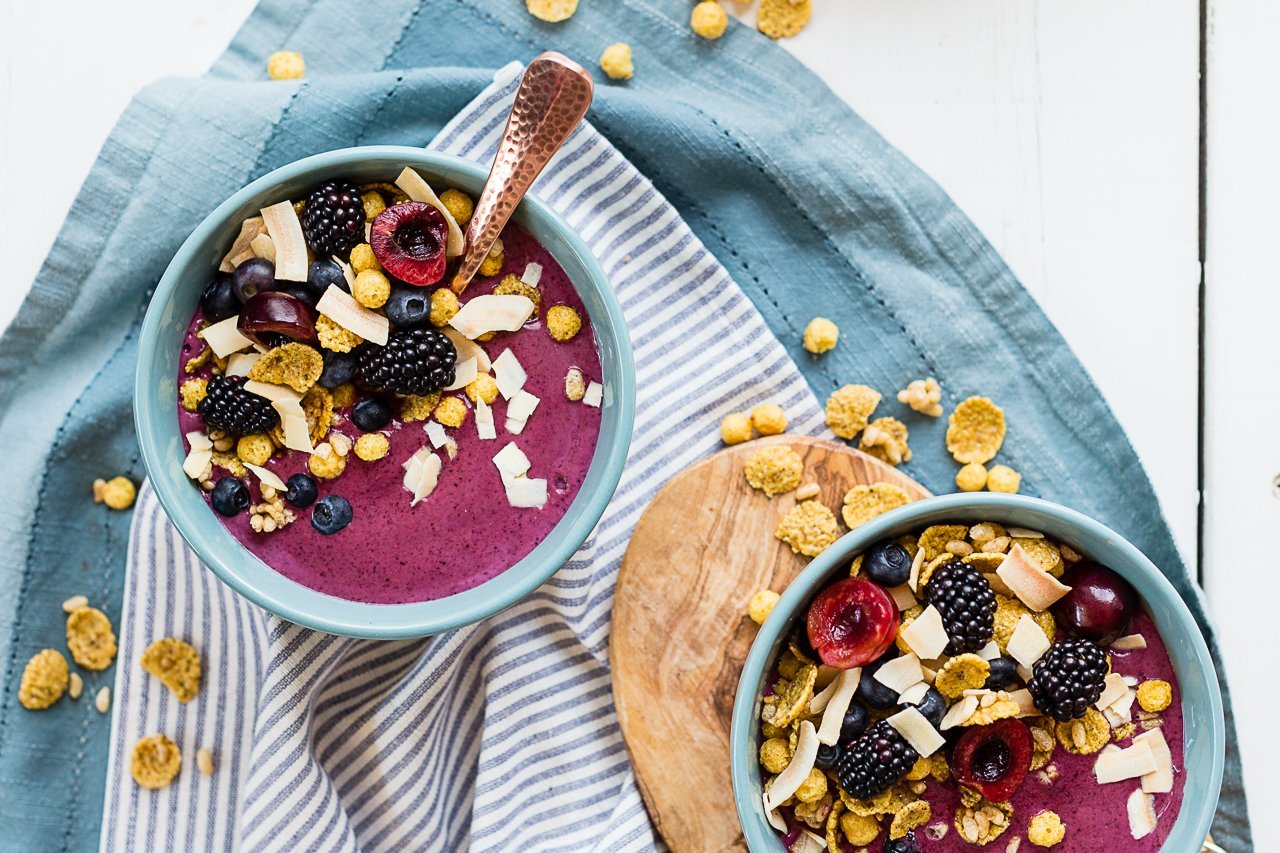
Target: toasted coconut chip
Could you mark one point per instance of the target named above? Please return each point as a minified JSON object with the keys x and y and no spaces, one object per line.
{"x":797,"y":771}
{"x":846,"y":684}
{"x":285,"y":230}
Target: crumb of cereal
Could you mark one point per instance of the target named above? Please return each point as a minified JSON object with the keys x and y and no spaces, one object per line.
{"x":850,"y":407}
{"x":156,"y":761}
{"x":769,"y":419}
{"x":809,"y":528}
{"x":286,"y":65}
{"x":451,"y":412}
{"x":793,"y":699}
{"x":483,"y":387}
{"x":1086,"y":735}
{"x":563,"y":322}
{"x":44,"y":680}
{"x":924,"y":396}
{"x":821,"y":335}
{"x":735,"y":428}
{"x":961,"y":673}
{"x":981,"y":821}
{"x":779,"y":19}
{"x":775,"y":755}
{"x":761,"y":605}
{"x":616,"y":62}
{"x":192,"y":392}
{"x":513,"y":285}
{"x":117,"y":493}
{"x":343,"y":396}
{"x":1043,"y":553}
{"x":808,"y":492}
{"x":993,"y":707}
{"x":204,"y":761}
{"x":363,"y":258}
{"x":709,"y":19}
{"x":552,"y":11}
{"x":255,"y":449}
{"x":459,"y":205}
{"x":371,"y":289}
{"x":813,"y":788}
{"x":372,"y":446}
{"x":373,"y":203}
{"x":575,"y":384}
{"x":860,"y":830}
{"x":416,"y":408}
{"x":334,"y":337}
{"x":293,"y":364}
{"x":971,"y":477}
{"x":444,"y":304}
{"x":90,"y":638}
{"x":919,"y":770}
{"x":886,"y":440}
{"x":774,"y":470}
{"x":863,"y":503}
{"x":975,"y":431}
{"x":1154,"y":695}
{"x":177,"y":664}
{"x":912,"y":815}
{"x":1002,"y":478}
{"x":1046,"y":829}
{"x":1009,"y":611}
{"x":492,"y":264}
{"x":325,"y":463}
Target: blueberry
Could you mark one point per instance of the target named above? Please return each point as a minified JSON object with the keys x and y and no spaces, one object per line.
{"x":932,"y":706}
{"x":888,"y":564}
{"x":219,"y":298}
{"x":301,"y":292}
{"x":254,"y":276}
{"x":370,"y":414}
{"x":302,"y":490}
{"x":408,"y":307}
{"x":1004,"y":670}
{"x":905,"y":844}
{"x":230,"y":496}
{"x":332,"y":513}
{"x":855,"y":722}
{"x":339,"y":369}
{"x":872,"y":692}
{"x":828,"y":755}
{"x":323,"y":273}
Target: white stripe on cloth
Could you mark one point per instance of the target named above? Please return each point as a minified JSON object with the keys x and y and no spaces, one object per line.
{"x":499,"y":736}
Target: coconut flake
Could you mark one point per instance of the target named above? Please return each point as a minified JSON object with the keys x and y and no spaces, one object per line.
{"x":1028,"y":642}
{"x":917,"y":562}
{"x":1113,"y":688}
{"x":264,"y":247}
{"x":463,"y":374}
{"x":435,"y":434}
{"x":593,"y":395}
{"x":416,"y":188}
{"x":271,"y":391}
{"x":282,"y":224}
{"x":900,"y":673}
{"x":903,"y":597}
{"x":484,"y":421}
{"x":926,"y":635}
{"x":508,"y":374}
{"x":293,"y":422}
{"x":833,"y":715}
{"x":1142,"y":813}
{"x":1035,"y":587}
{"x":914,"y":694}
{"x":1129,"y":643}
{"x":990,"y":651}
{"x":775,"y":818}
{"x":348,"y":273}
{"x":1024,"y":533}
{"x":822,"y":698}
{"x":1160,"y":780}
{"x":1026,"y":705}
{"x":199,"y":456}
{"x":527,"y":493}
{"x":428,"y":477}
{"x":241,"y":249}
{"x":511,"y":462}
{"x":267,"y":477}
{"x":1116,"y":765}
{"x":467,"y":349}
{"x":918,"y":731}
{"x":224,"y":337}
{"x":959,"y":712}
{"x":492,"y":312}
{"x":239,"y":364}
{"x":808,"y":842}
{"x":522,"y":406}
{"x":797,"y":771}
{"x":532,"y":274}
{"x":342,"y":308}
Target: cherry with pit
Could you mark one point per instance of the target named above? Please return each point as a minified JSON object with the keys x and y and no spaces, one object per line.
{"x":852,"y":623}
{"x":993,"y":760}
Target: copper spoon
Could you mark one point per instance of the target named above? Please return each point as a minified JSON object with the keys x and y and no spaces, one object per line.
{"x":553,"y":97}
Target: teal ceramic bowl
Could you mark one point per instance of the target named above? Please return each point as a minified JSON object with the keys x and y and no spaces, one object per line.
{"x":1204,"y":739}
{"x":155,"y":404}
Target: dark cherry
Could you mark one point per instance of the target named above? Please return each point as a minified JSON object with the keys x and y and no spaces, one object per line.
{"x":409,"y":240}
{"x":994,"y":759}
{"x":852,"y":622}
{"x":1100,"y":604}
{"x":276,"y":313}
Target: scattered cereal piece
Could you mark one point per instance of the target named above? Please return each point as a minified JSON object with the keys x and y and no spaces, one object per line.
{"x":156,"y":761}
{"x":886,"y":440}
{"x":924,"y":396}
{"x":416,"y":408}
{"x":813,"y":788}
{"x":1002,"y":478}
{"x":779,"y":19}
{"x":204,"y":761}
{"x":982,"y":821}
{"x":860,"y":830}
{"x":293,"y":364}
{"x":371,"y":289}
{"x":850,"y":407}
{"x":90,"y":638}
{"x":116,"y":493}
{"x":808,"y":492}
{"x":1154,"y":695}
{"x":373,"y":203}
{"x":492,"y":264}
{"x":192,"y":392}
{"x":1086,"y":735}
{"x":735,"y":428}
{"x":444,"y":304}
{"x":363,"y":258}
{"x":75,"y":685}
{"x":975,"y":431}
{"x":793,"y":699}
{"x":1043,"y":741}
{"x":103,"y":700}
{"x":971,"y":477}
{"x":44,"y":680}
{"x":775,"y":755}
{"x":809,"y":528}
{"x":334,"y":337}
{"x":1043,"y":553}
{"x":563,"y":322}
{"x":774,"y":470}
{"x":616,"y":61}
{"x":459,"y":205}
{"x":513,"y":285}
{"x":286,"y":65}
{"x":919,"y":770}
{"x":709,"y":19}
{"x":1046,"y":829}
{"x":769,"y":419}
{"x":575,"y":384}
{"x":451,"y":412}
{"x":483,"y":387}
{"x":552,"y":11}
{"x":863,"y":503}
{"x":74,"y":603}
{"x":761,"y":605}
{"x":344,"y":396}
{"x":961,"y":673}
{"x":912,"y":815}
{"x":177,"y":664}
{"x":821,"y":335}
{"x":993,"y":707}
{"x":325,"y":463}
{"x":372,"y":446}
{"x":255,"y":449}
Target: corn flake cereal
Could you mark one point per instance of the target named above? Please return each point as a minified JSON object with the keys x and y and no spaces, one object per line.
{"x":813,"y":788}
{"x":863,"y":503}
{"x":775,"y":755}
{"x":483,"y":387}
{"x":492,"y":264}
{"x":1046,"y":829}
{"x":416,"y":408}
{"x":90,"y":638}
{"x":372,"y":446}
{"x":255,"y":449}
{"x":459,"y":205}
{"x":793,"y":700}
{"x":886,"y":440}
{"x":177,"y":664}
{"x":286,"y":65}
{"x":1086,"y":735}
{"x":1043,"y":741}
{"x":1154,"y":695}
{"x":451,"y":412}
{"x":809,"y":528}
{"x":343,"y":396}
{"x":325,"y":463}
{"x":761,"y":605}
{"x":833,"y":827}
{"x":155,"y":762}
{"x":44,"y":680}
{"x":912,"y":815}
{"x":552,"y":11}
{"x":919,"y":770}
{"x":994,"y":706}
{"x":372,"y":289}
{"x":780,"y":19}
{"x":192,"y":392}
{"x":774,"y":470}
{"x":735,"y":428}
{"x":860,"y":830}
{"x":444,"y":305}
{"x":317,"y":407}
{"x":982,"y":822}
{"x":850,"y":407}
{"x":1009,"y":611}
{"x":334,"y":337}
{"x":1002,"y":478}
{"x":961,"y":673}
{"x":513,"y":285}
{"x":362,"y":258}
{"x":293,"y":364}
{"x":1044,"y":553}
{"x":933,"y":540}
{"x":975,"y":431}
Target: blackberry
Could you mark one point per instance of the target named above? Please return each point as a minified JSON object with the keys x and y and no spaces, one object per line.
{"x":333,"y":220}
{"x":414,"y":361}
{"x":874,"y":761}
{"x":1068,"y":679}
{"x":967,"y":604}
{"x":905,"y":844}
{"x":228,"y":407}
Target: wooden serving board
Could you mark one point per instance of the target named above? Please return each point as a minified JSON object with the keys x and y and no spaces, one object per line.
{"x":680,"y":632}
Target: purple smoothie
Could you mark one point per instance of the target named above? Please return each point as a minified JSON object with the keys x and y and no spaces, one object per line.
{"x":465,"y":532}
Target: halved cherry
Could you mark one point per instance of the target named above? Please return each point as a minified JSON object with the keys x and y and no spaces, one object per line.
{"x":409,"y":240}
{"x":852,"y":622}
{"x":274,"y":312}
{"x":994,"y":759}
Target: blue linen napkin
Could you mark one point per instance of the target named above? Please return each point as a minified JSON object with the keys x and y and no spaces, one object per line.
{"x":805,"y":205}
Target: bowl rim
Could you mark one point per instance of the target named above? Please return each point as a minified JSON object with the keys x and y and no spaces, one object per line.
{"x":156,"y":424}
{"x":1194,"y":817}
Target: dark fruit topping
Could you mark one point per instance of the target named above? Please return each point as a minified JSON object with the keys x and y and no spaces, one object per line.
{"x":254,"y":276}
{"x":416,"y":361}
{"x":277,"y":313}
{"x":852,"y":622}
{"x":228,"y":407}
{"x":333,"y":220}
{"x":905,"y":844}
{"x":888,"y":564}
{"x":967,"y":604}
{"x":300,"y":292}
{"x":1068,"y":679}
{"x":370,"y":414}
{"x":877,"y":696}
{"x":408,"y":240}
{"x":1100,"y":604}
{"x":323,"y":273}
{"x":932,"y":706}
{"x":332,"y":513}
{"x":302,"y":490}
{"x":408,"y":307}
{"x":218,"y":300}
{"x":874,"y":761}
{"x":828,"y":755}
{"x":854,"y":723}
{"x":230,"y":496}
{"x":993,"y":760}
{"x":1004,"y":670}
{"x":339,"y":369}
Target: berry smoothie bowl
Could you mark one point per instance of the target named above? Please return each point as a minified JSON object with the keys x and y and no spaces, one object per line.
{"x":978,"y":671}
{"x":348,"y":442}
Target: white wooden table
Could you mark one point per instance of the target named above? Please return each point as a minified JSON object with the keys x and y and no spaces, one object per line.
{"x":1069,"y":132}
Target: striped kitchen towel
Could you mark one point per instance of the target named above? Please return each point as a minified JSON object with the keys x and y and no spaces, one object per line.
{"x":498,"y":736}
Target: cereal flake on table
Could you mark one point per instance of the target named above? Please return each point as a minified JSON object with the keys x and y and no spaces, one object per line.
{"x":177,"y":664}
{"x":117,"y":493}
{"x":923,"y":396}
{"x":864,"y":502}
{"x":735,"y":428}
{"x":975,"y":431}
{"x":809,"y":528}
{"x":709,"y":19}
{"x":769,"y":419}
{"x":90,"y":638}
{"x":155,"y":762}
{"x":886,"y":440}
{"x":780,"y":19}
{"x":286,"y":65}
{"x":821,"y":335}
{"x":849,"y":408}
{"x":616,"y":62}
{"x":44,"y":680}
{"x":552,"y":11}
{"x":774,"y":469}
{"x":1002,"y":478}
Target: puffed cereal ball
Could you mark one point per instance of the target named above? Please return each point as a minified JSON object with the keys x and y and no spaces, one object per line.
{"x":451,"y":412}
{"x":971,"y":477}
{"x":1046,"y":829}
{"x":769,"y":419}
{"x":1002,"y":478}
{"x":116,"y":493}
{"x":255,"y":449}
{"x":616,"y":61}
{"x":373,"y":204}
{"x":192,"y":392}
{"x":362,"y":258}
{"x":492,"y":264}
{"x":325,"y":463}
{"x":372,"y":446}
{"x":775,"y":755}
{"x":821,"y":335}
{"x":286,"y":65}
{"x":735,"y":428}
{"x":814,"y":788}
{"x":444,"y":304}
{"x":1154,"y":695}
{"x":761,"y":605}
{"x":458,"y":204}
{"x":484,"y":387}
{"x":709,"y":19}
{"x":372,"y":289}
{"x":563,"y":323}
{"x":575,"y":384}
